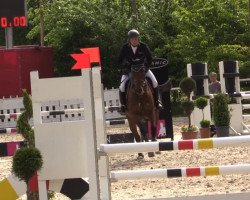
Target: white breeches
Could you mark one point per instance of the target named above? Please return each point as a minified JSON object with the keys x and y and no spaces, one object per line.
{"x":125,"y":78}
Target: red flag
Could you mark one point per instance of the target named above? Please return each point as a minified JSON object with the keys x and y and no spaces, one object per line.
{"x":82,"y":61}
{"x":94,"y":54}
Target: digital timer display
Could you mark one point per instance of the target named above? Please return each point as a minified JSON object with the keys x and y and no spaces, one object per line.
{"x":12,"y":13}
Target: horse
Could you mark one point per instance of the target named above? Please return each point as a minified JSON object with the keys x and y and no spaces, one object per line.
{"x":140,"y":106}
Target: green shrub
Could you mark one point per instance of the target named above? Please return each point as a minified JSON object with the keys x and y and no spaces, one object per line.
{"x":187,"y":86}
{"x":188,"y":106}
{"x":205,"y":123}
{"x":186,"y":128}
{"x":27,"y":102}
{"x":221,"y":113}
{"x":26,"y":162}
{"x":23,"y":125}
{"x":201,"y":103}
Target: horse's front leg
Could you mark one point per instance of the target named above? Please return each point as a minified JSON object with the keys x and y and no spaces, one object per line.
{"x":154,"y":122}
{"x":153,"y":139}
{"x":144,"y":130}
{"x":133,"y":128}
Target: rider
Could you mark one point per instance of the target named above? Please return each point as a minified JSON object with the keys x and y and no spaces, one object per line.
{"x":133,"y":50}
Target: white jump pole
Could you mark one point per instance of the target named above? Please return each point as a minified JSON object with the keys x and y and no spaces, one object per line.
{"x":181,"y":172}
{"x":175,"y":145}
{"x":245,"y":95}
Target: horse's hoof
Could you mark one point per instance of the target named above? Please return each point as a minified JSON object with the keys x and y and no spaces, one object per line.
{"x":157,"y":152}
{"x":151,"y":154}
{"x":140,"y":156}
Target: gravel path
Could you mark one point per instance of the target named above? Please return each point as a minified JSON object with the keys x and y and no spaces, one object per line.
{"x":163,"y":188}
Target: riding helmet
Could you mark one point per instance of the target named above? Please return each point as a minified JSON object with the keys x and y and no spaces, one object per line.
{"x":133,"y":33}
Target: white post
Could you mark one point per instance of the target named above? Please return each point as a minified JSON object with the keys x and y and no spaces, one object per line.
{"x":237,"y":83}
{"x":101,"y":134}
{"x":206,"y":84}
{"x":83,"y":145}
{"x":222,"y":79}
{"x":42,"y":190}
{"x":189,"y":70}
{"x":94,"y":185}
{"x":9,"y":37}
{"x":189,"y":73}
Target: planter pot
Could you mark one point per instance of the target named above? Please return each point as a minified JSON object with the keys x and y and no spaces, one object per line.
{"x":189,"y":135}
{"x":205,"y":132}
{"x":222,"y":131}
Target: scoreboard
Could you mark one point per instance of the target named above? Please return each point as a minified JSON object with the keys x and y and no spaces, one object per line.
{"x":12,"y":13}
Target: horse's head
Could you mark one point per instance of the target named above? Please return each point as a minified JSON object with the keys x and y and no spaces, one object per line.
{"x":138,"y":78}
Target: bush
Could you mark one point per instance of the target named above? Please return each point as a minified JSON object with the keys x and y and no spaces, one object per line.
{"x":26,"y":162}
{"x":188,"y":106}
{"x":205,"y":123}
{"x":201,"y":103}
{"x":23,"y":125}
{"x":187,"y":86}
{"x":221,"y":113}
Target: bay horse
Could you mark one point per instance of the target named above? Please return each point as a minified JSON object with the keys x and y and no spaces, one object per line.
{"x":140,"y":106}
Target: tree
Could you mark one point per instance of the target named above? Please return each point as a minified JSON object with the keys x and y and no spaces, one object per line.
{"x":182,"y":31}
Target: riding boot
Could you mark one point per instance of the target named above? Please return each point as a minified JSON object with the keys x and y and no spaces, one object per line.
{"x":122,"y":96}
{"x":158,"y":104}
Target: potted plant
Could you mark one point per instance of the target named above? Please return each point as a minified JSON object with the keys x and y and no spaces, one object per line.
{"x":187,"y":86}
{"x":27,"y":160}
{"x":201,"y":103}
{"x":221,"y":115}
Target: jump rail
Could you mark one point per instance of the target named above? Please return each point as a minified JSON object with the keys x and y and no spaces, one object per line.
{"x":116,"y":122}
{"x":175,"y":145}
{"x":9,"y":148}
{"x":56,"y":112}
{"x":8,"y":130}
{"x":109,"y":123}
{"x":181,"y":172}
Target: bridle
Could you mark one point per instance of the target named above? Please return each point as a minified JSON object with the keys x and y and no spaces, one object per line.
{"x":139,"y":86}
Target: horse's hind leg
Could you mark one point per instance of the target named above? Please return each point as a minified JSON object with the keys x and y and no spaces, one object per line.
{"x":133,"y":128}
{"x":153,"y":131}
{"x":154,"y":121}
{"x":154,"y":136}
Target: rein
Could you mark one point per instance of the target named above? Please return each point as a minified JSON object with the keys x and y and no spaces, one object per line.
{"x":137,"y":68}
{"x":140,"y":83}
